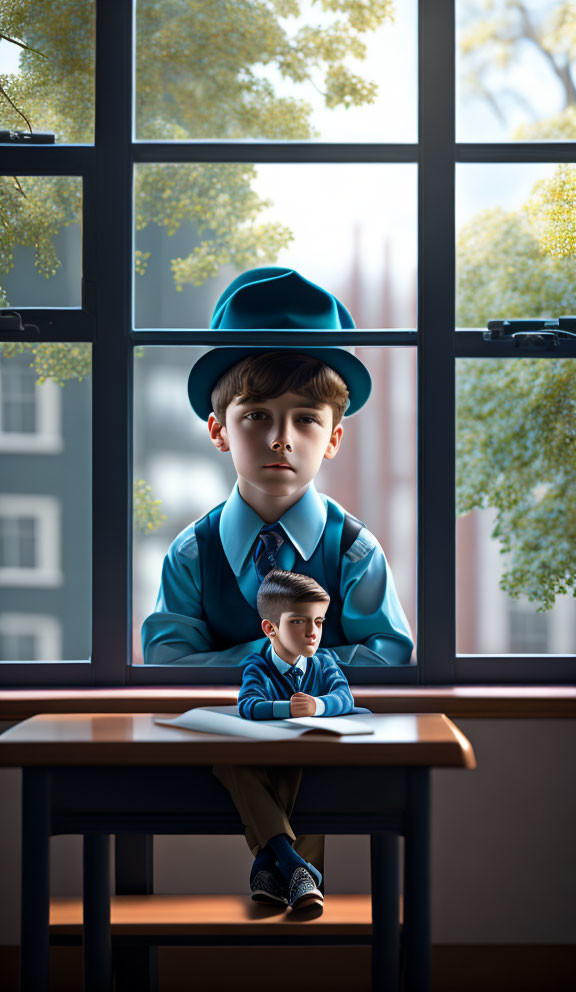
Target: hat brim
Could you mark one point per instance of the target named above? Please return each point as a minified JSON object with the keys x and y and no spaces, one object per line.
{"x":211,"y":367}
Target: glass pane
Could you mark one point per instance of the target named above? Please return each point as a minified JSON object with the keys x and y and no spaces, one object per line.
{"x":516,"y":532}
{"x":179,"y":475}
{"x":45,"y":502}
{"x":276,"y":70}
{"x":515,"y":70}
{"x":516,"y":244}
{"x":351,"y":228}
{"x":41,"y":253}
{"x":47,"y":60}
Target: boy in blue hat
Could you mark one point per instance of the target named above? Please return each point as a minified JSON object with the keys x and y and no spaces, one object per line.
{"x":278,"y":413}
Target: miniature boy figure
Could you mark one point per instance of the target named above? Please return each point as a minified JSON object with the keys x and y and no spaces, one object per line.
{"x":291,"y":679}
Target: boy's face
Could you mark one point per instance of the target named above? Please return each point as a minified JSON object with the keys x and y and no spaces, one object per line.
{"x":299,"y":631}
{"x":277,"y":445}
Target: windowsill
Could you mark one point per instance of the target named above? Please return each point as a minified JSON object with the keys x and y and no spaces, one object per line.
{"x":534,"y":702}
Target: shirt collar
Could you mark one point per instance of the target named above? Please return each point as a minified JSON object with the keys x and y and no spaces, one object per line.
{"x":240,"y":525}
{"x":283,"y":666}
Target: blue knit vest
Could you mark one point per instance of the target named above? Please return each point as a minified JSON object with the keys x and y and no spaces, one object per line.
{"x":231,"y":619}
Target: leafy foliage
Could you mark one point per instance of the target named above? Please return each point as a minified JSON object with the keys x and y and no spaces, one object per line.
{"x":502,"y":271}
{"x":33,"y":211}
{"x":516,"y":452}
{"x":59,"y":362}
{"x":552,"y":209}
{"x":516,"y":418}
{"x":202,"y":71}
{"x":200,"y":74}
{"x":497,"y":36}
{"x":147,"y":513}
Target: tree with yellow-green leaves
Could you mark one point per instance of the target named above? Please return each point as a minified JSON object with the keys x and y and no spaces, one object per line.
{"x":199,"y":75}
{"x":495,"y":38}
{"x":203,"y":71}
{"x":516,"y":436}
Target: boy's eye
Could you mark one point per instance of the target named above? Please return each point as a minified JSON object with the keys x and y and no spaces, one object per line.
{"x":308,"y":419}
{"x":256,"y":415}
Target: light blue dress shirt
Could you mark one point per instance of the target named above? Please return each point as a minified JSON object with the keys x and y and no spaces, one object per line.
{"x":372,"y":619}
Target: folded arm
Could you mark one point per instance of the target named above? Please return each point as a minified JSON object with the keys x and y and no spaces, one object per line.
{"x":254,"y":701}
{"x":176,"y":633}
{"x":336,"y":697}
{"x":373,"y":620}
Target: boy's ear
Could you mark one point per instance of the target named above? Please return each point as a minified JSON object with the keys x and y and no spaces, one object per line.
{"x":334,"y":442}
{"x":218,"y":434}
{"x":268,"y":628}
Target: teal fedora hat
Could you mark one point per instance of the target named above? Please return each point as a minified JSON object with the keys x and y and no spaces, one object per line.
{"x":275,"y":298}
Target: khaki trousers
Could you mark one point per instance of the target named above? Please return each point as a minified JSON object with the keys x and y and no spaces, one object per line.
{"x":264,"y":797}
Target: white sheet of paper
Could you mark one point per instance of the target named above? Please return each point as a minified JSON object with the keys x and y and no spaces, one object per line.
{"x":227,"y":720}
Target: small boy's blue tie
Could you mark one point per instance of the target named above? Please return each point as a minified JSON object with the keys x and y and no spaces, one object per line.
{"x":293,"y":676}
{"x":267,"y":549}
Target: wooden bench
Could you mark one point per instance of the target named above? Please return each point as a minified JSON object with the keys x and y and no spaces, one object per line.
{"x":227,"y":938}
{"x":158,"y":917}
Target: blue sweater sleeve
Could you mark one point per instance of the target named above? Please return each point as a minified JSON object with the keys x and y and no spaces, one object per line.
{"x":374,"y":623}
{"x":255,"y":699}
{"x":336,"y":694}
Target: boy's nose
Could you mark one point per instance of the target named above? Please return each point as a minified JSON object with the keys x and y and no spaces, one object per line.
{"x":281,"y":445}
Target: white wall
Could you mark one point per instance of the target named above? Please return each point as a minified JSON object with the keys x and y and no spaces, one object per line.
{"x":503,"y":863}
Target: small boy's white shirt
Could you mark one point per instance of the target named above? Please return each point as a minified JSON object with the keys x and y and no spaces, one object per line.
{"x":300,"y":663}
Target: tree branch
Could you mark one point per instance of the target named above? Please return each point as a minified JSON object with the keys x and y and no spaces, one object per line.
{"x":12,"y":104}
{"x":22,"y":44}
{"x":561,"y":71}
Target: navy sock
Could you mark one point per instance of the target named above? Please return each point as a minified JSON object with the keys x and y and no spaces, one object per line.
{"x":265,"y":859}
{"x":289,"y":859}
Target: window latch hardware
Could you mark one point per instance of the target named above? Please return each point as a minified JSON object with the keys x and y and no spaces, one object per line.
{"x":26,"y":137}
{"x":13,"y":328}
{"x":541,"y":334}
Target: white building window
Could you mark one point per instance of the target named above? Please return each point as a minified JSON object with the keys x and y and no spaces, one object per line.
{"x":29,"y":637}
{"x":30,"y":412}
{"x":29,"y":541}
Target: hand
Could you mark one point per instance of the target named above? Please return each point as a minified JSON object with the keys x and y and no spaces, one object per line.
{"x":301,"y":704}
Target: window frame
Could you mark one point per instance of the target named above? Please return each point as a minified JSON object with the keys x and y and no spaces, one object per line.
{"x":107,"y":170}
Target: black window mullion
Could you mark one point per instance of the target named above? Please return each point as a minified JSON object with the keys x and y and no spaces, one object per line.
{"x":112,"y":351}
{"x":436,"y":316}
{"x":272,"y":151}
{"x":519,"y":151}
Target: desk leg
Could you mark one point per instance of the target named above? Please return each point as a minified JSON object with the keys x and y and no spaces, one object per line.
{"x":35,"y":912}
{"x":135,"y":967}
{"x":416,"y":942}
{"x":97,"y":947}
{"x":385,"y":911}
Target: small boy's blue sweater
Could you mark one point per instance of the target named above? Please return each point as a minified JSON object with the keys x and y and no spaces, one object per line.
{"x":263,"y":685}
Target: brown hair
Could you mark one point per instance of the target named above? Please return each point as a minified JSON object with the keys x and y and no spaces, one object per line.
{"x":280,"y":590}
{"x":261,"y":377}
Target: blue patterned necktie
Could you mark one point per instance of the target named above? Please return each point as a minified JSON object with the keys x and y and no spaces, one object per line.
{"x":266,"y":550}
{"x":293,"y":675}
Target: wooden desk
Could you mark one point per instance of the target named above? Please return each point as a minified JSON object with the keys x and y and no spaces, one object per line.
{"x":103,"y":774}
